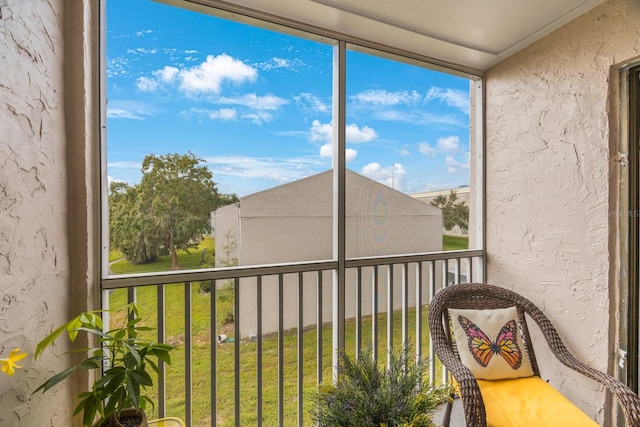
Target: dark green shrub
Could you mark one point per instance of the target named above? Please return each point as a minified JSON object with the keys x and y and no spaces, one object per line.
{"x":367,"y":395}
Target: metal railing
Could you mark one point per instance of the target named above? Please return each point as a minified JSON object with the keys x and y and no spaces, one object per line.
{"x":278,"y":314}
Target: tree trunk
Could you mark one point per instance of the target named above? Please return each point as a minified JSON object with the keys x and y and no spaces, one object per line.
{"x":174,"y":257}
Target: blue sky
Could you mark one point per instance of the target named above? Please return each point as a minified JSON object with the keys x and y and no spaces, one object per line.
{"x":256,"y":105}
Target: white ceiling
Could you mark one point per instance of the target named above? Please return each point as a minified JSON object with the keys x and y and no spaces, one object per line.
{"x":473,"y":34}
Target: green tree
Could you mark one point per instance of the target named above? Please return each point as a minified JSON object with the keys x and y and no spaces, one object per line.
{"x":453,"y":212}
{"x":130,"y":231}
{"x":168,"y":211}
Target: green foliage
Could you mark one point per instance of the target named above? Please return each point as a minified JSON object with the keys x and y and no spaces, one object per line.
{"x":453,"y":212}
{"x":126,"y":356}
{"x":130,"y":232}
{"x":454,"y":243}
{"x":169,"y":210}
{"x":366,"y":395}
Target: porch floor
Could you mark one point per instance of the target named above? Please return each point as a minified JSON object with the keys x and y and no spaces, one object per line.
{"x":457,"y":415}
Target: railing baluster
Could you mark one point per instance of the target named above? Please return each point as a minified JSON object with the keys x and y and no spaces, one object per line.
{"x":280,"y":350}
{"x":236,"y":346}
{"x":131,"y":295}
{"x":213,"y":322}
{"x":432,"y":292}
{"x":374,"y":313}
{"x":319,"y":328}
{"x":358,"y":311}
{"x":161,"y":331}
{"x":445,"y":273}
{"x":418,"y":311}
{"x":405,"y":304}
{"x":389,"y":310}
{"x":300,"y":350}
{"x":259,"y":349}
{"x":188,"y":353}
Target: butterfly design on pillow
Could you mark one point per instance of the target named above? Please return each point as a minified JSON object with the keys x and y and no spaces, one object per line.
{"x":483,"y":348}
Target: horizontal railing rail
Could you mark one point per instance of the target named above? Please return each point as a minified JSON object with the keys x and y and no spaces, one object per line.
{"x":252,"y":349}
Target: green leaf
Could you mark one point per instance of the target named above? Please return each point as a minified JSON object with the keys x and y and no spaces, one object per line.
{"x":55,"y":379}
{"x":94,"y":362}
{"x":154,"y":367}
{"x":163,"y":354}
{"x":132,"y":358}
{"x":142,"y":377}
{"x":48,"y":340}
{"x":133,"y":390}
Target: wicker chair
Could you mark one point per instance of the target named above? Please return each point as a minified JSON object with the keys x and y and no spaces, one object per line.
{"x":483,"y":296}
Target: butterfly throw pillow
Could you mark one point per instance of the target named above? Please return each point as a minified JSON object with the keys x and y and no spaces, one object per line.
{"x":489,"y":343}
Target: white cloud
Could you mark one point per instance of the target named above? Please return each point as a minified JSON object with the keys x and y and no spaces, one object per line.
{"x":279,"y":170}
{"x":166,"y":74}
{"x":258,"y":117}
{"x":383,"y":97}
{"x":418,"y":117}
{"x":454,"y":166}
{"x":258,"y":108}
{"x":147,"y":84}
{"x":266,"y":102}
{"x":403,"y":151}
{"x":143,"y":33}
{"x":219,"y":114}
{"x":134,"y":110}
{"x":452,"y":97}
{"x":392,"y":176}
{"x":205,"y":78}
{"x":327,"y":151}
{"x":323,"y":132}
{"x":320,"y":132}
{"x":117,"y":66}
{"x":426,"y":149}
{"x":143,"y":51}
{"x":356,"y":135}
{"x":276,"y":63}
{"x":311,"y":102}
{"x":224,"y":114}
{"x":449,"y":144}
{"x":209,"y":76}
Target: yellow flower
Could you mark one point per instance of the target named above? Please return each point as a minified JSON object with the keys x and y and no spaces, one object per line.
{"x":9,"y":363}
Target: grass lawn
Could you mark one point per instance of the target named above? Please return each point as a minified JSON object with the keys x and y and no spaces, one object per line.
{"x":225,"y":376}
{"x":454,"y":243}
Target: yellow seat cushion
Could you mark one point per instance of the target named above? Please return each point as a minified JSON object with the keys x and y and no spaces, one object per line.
{"x":529,"y":402}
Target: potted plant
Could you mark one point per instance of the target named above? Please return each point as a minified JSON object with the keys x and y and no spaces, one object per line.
{"x":123,"y":356}
{"x":368,"y":395}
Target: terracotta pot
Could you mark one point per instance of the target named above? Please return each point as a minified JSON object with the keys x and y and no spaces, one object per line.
{"x":128,"y":418}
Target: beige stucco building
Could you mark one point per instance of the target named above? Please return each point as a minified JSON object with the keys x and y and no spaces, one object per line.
{"x":293,"y":223}
{"x":552,"y":140}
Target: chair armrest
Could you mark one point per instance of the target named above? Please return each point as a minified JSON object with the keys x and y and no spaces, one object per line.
{"x":628,"y":400}
{"x":472,"y":403}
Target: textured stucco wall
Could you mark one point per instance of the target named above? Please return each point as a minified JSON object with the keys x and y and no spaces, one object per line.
{"x":37,"y":290}
{"x":549,"y":178}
